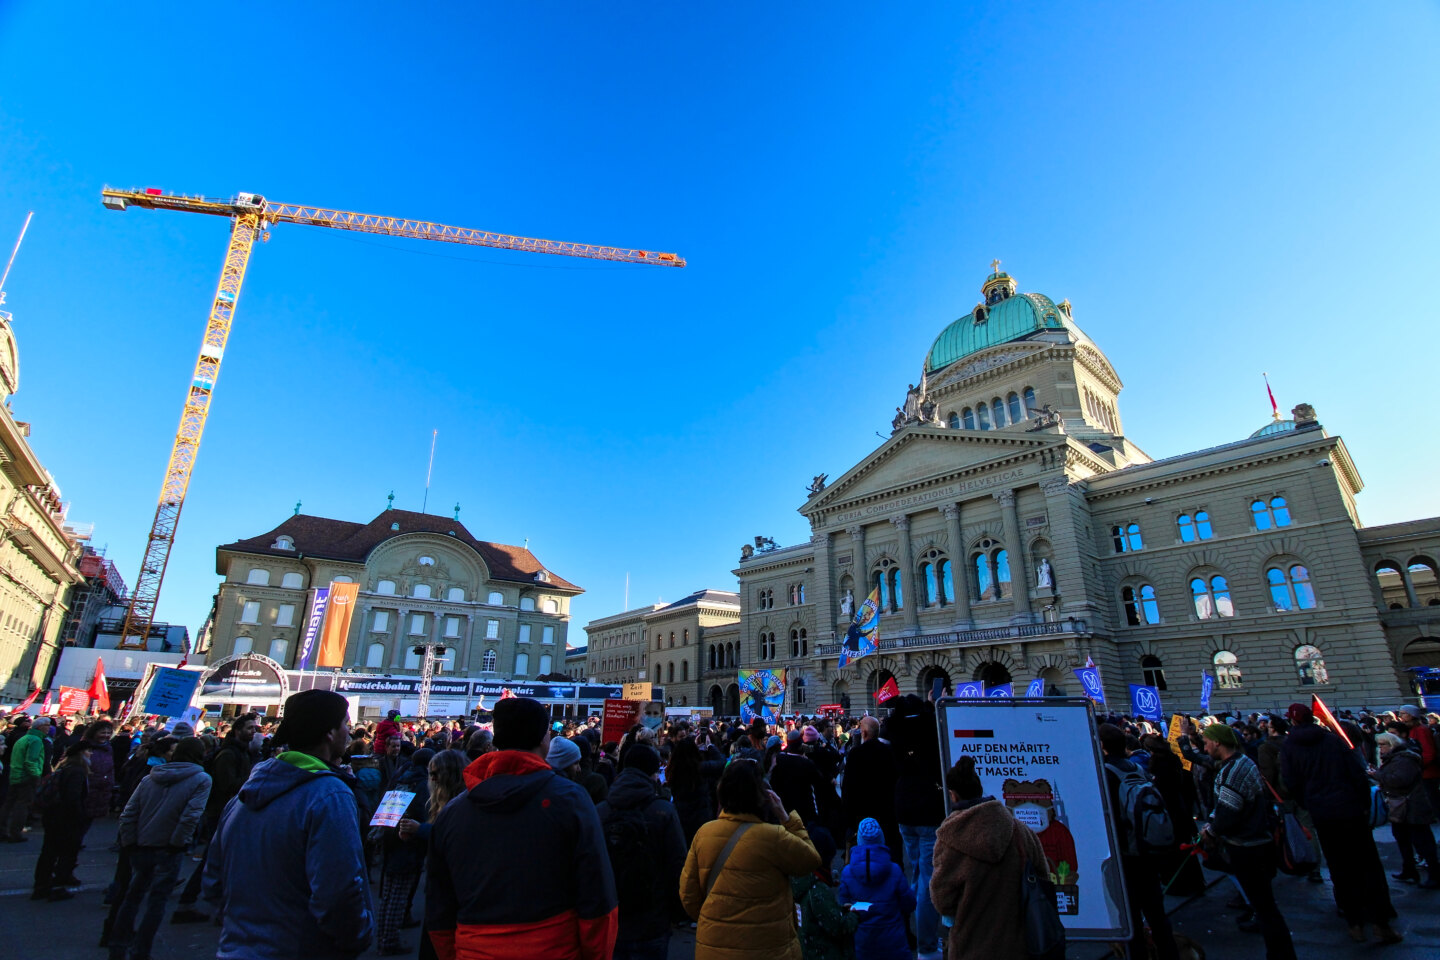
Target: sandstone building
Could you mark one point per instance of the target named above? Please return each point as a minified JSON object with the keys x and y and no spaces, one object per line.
{"x":666,"y":644}
{"x":1014,"y":529}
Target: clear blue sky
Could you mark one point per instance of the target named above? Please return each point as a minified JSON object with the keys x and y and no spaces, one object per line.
{"x":1219,"y":190}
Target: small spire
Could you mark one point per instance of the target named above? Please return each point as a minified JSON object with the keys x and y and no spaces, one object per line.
{"x":994,"y":266}
{"x":390,"y":501}
{"x":297,"y":508}
{"x":457,"y":509}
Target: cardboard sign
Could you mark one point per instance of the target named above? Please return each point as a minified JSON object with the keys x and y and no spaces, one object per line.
{"x":1042,"y":760}
{"x":636,"y":691}
{"x":392,"y":808}
{"x":619,"y":717}
{"x":1174,"y":738}
{"x":170,"y":691}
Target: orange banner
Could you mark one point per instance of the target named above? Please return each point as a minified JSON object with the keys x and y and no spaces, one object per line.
{"x":337,"y":624}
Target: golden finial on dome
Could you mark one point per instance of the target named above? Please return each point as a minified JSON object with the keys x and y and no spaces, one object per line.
{"x":994,"y":266}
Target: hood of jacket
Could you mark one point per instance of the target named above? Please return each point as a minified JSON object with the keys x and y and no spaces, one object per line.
{"x":631,"y":789}
{"x":278,"y":776}
{"x":1307,"y":734}
{"x":869,"y":860}
{"x":506,"y":780}
{"x":171,"y":773}
{"x":983,"y":831}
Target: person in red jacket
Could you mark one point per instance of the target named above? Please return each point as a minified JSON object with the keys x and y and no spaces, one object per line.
{"x":384,"y":730}
{"x":496,"y":855}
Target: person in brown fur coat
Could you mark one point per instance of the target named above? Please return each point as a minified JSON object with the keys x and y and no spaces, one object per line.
{"x":980,"y":851}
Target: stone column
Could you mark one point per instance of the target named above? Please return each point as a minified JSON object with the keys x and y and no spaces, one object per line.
{"x":1016,"y":545}
{"x":909,"y":595}
{"x":861,"y":568}
{"x":822,"y":596}
{"x":959,"y":568}
{"x":1073,"y":548}
{"x":467,"y":640}
{"x":402,"y":624}
{"x":1411,"y":599}
{"x":357,"y":659}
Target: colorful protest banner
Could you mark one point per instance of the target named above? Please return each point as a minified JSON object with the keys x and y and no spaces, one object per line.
{"x":863,"y":637}
{"x":392,"y":807}
{"x":74,"y":700}
{"x":762,"y":694}
{"x":1089,"y":678}
{"x":618,"y":718}
{"x":1145,"y":702}
{"x":889,"y":690}
{"x":1042,"y":760}
{"x":1177,"y":722}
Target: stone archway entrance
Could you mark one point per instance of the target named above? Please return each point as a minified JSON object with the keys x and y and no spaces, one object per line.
{"x":1055,"y":680}
{"x":992,"y":674}
{"x":929,"y":675}
{"x":841,"y":694}
{"x":717,"y":700}
{"x":732,"y":700}
{"x":1421,"y":652}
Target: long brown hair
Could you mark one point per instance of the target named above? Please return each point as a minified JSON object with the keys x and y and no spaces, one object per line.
{"x":446,"y":780}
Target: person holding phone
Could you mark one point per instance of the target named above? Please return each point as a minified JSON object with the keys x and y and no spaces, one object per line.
{"x":736,"y":881}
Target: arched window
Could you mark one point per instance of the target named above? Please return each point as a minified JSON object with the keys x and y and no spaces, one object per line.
{"x":1310,"y":665}
{"x":1141,"y":607}
{"x":259,"y":577}
{"x":1280,"y":511}
{"x":672,"y":639}
{"x":1425,"y":582}
{"x":1028,"y":396}
{"x":375,"y":656}
{"x":804,"y":643}
{"x":385,"y":588}
{"x":545,"y":663}
{"x":342,"y":579}
{"x":421,"y":591}
{"x":927,"y":578}
{"x":487,"y":662}
{"x":1290,"y":590}
{"x":1202,"y":525}
{"x":684,"y":670}
{"x":982,"y":415}
{"x":1154,"y":672}
{"x":1227,"y":670}
{"x":278,"y":648}
{"x":967,"y":416}
{"x":1002,"y":574}
{"x":1013,"y":402}
{"x":670,"y":671}
{"x":897,"y":594}
{"x":997,"y":407}
{"x":1392,"y":585}
{"x":522,"y":664}
{"x":954,"y":420}
{"x":283,"y":543}
{"x":1276,"y":513}
{"x":1187,"y":528}
{"x":243,"y":645}
{"x":984,"y":585}
{"x":710,"y":655}
{"x":455,"y":595}
{"x":292,"y":581}
{"x":1212,"y":597}
{"x":947,"y":583}
{"x":549,"y":606}
{"x":526,"y":603}
{"x":1126,"y":537}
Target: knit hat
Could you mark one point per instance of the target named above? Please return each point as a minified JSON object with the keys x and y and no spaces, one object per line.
{"x":309,"y":716}
{"x":811,"y":734}
{"x":870,"y":831}
{"x":644,"y":759}
{"x":563,"y":754}
{"x":422,"y":757}
{"x":1221,"y":734}
{"x":774,"y":741}
{"x":182,"y":730}
{"x":520,"y":723}
{"x":391,"y":714}
{"x":1411,"y":709}
{"x":1300,"y":714}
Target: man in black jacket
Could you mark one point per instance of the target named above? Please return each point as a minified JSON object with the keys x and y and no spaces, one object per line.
{"x":919,"y":806}
{"x":1328,"y":779}
{"x":797,"y":780}
{"x":647,"y":854}
{"x":869,"y":786}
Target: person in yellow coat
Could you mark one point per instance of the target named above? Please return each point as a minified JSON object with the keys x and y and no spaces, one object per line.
{"x":744,"y":911}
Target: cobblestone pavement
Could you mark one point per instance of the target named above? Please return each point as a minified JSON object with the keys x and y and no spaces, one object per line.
{"x":70,"y":930}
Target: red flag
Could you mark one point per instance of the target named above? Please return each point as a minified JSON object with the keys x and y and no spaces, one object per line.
{"x":74,"y":700}
{"x":1317,"y":707}
{"x":184,"y":655}
{"x":890,"y":689}
{"x":99,"y":689}
{"x":45,"y":707}
{"x":28,"y":700}
{"x":1274,"y":407}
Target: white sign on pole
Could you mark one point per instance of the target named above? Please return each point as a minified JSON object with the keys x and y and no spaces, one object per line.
{"x":1041,"y":758}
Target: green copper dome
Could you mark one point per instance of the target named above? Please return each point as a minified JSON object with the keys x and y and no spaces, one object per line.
{"x":1007,"y":316}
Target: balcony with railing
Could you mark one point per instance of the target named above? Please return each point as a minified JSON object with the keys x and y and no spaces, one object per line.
{"x":971,"y":638}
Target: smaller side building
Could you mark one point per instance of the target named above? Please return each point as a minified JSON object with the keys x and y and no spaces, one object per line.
{"x":667,"y":644}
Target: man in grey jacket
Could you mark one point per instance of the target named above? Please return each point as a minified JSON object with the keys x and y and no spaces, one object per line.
{"x":156,"y":826}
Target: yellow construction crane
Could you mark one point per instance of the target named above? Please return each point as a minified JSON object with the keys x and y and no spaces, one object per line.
{"x":251,"y":216}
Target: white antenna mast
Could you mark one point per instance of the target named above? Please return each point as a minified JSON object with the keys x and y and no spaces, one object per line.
{"x":429,"y":469}
{"x":21,"y":239}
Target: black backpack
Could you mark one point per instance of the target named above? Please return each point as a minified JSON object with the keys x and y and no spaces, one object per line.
{"x":627,"y":840}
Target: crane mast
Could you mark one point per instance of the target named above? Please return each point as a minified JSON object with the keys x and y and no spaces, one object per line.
{"x":251,"y":215}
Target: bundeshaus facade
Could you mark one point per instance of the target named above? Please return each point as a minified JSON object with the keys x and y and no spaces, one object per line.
{"x":1014,"y":530}
{"x":422,"y":578}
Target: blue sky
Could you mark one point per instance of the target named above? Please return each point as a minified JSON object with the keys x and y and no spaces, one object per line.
{"x":1219,"y":190}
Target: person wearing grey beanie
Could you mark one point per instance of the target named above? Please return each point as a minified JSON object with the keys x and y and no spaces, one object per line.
{"x":564,"y":757}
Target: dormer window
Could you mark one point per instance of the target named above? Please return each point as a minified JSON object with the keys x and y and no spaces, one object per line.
{"x":395,"y":525}
{"x":542,"y":576}
{"x":283,"y":543}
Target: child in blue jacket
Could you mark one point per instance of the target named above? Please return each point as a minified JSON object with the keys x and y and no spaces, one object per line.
{"x":872,"y":877}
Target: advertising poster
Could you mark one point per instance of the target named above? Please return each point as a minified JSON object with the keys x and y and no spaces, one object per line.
{"x":392,"y":807}
{"x":1042,"y":760}
{"x":319,"y":599}
{"x":762,"y":694}
{"x":336,"y":630}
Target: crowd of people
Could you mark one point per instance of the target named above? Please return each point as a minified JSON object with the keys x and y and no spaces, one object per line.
{"x":802,"y":840}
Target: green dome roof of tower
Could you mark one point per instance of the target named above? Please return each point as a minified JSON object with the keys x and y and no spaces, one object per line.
{"x":1004,"y":316}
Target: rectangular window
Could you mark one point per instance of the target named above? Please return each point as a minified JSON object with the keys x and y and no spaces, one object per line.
{"x":382,"y":621}
{"x":417,"y":624}
{"x":250,"y":612}
{"x":547,"y":635}
{"x":492,"y":629}
{"x":524,"y":633}
{"x":452,"y":626}
{"x":285,"y":615}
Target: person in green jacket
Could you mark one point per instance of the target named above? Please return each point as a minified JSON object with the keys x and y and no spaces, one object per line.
{"x":827,"y":932}
{"x":27,"y":766}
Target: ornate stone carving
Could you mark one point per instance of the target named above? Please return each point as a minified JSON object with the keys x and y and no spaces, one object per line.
{"x":1042,"y":575}
{"x":951,"y":511}
{"x":1055,"y":486}
{"x":901,"y":522}
{"x":1303,"y":412}
{"x":1006,"y":498}
{"x":856,"y":532}
{"x":847,"y":603}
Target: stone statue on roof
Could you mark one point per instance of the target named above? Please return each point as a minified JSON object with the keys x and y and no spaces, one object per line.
{"x":912,"y":404}
{"x":818,"y":484}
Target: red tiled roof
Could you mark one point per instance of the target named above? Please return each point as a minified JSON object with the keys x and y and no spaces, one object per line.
{"x":353,"y":542}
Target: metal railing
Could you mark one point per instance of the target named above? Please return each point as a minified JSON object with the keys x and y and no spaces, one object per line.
{"x":965,"y":638}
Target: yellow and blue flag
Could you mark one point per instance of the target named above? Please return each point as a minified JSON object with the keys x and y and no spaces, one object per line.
{"x":863,"y":637}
